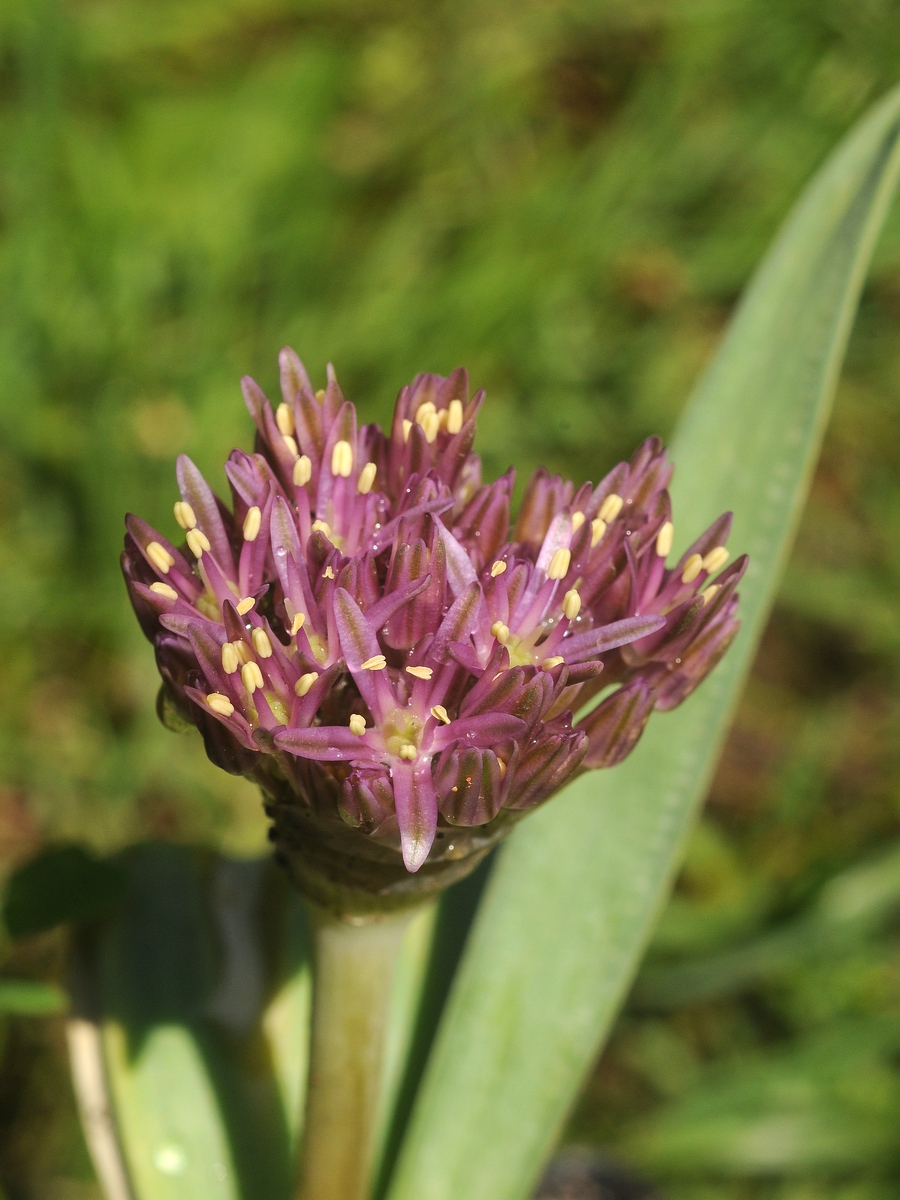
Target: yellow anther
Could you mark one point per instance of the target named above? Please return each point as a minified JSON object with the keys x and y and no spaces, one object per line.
{"x":559,"y":563}
{"x":500,"y":632}
{"x":407,"y":426}
{"x":376,"y":663}
{"x":342,"y":459}
{"x":366,"y":479}
{"x":245,"y":605}
{"x":328,"y":573}
{"x":549,"y":663}
{"x":426,"y":407}
{"x":184,"y":514}
{"x":230,"y":660}
{"x":297,"y":623}
{"x":431,"y":426}
{"x":692,"y":568}
{"x":611,"y":507}
{"x":320,"y":395}
{"x":243,"y":651}
{"x":707,"y":594}
{"x":261,"y":643}
{"x":220,"y":704}
{"x":408,"y":752}
{"x":502,"y":765}
{"x":498,"y":568}
{"x":420,"y":672}
{"x":305,"y":682}
{"x":290,"y":443}
{"x":302,"y":471}
{"x":571,"y":604}
{"x":321,"y":527}
{"x":577,"y":521}
{"x":598,"y":528}
{"x":251,"y":677}
{"x":440,"y":714}
{"x":252,"y":523}
{"x":198,"y":542}
{"x":160,"y":557}
{"x":716,"y":558}
{"x":664,"y":539}
{"x":454,"y":416}
{"x":284,"y":419}
{"x":442,"y":418}
{"x":163,"y":589}
{"x":357,"y":724}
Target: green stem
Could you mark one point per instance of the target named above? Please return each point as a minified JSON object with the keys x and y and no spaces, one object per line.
{"x":354,"y":966}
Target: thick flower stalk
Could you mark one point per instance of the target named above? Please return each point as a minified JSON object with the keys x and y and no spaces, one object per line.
{"x":367,"y":637}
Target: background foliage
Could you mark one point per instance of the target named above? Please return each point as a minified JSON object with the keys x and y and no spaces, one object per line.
{"x":566,"y":197}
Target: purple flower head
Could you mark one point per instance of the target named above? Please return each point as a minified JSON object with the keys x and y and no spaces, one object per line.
{"x":366,"y":636}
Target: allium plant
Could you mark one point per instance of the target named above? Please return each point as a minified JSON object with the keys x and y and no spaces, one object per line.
{"x":400,"y":667}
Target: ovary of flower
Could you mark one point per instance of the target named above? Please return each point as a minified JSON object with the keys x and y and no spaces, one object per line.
{"x":366,"y":479}
{"x":692,"y":568}
{"x":304,"y":683}
{"x":160,"y":557}
{"x":198,"y":542}
{"x":297,"y":623}
{"x":220,"y":704}
{"x":440,"y":714}
{"x":261,"y":643}
{"x":357,"y":724}
{"x":251,"y":677}
{"x":498,"y":568}
{"x":342,"y":459}
{"x":420,"y":672}
{"x":302,"y":471}
{"x":598,"y":528}
{"x":163,"y":589}
{"x":252,"y":524}
{"x":284,"y":419}
{"x":578,"y":520}
{"x":184,"y":514}
{"x":500,"y":632}
{"x":664,"y":539}
{"x":559,"y":563}
{"x":376,"y":663}
{"x":454,"y":416}
{"x":571,"y":604}
{"x":230,"y":660}
{"x":245,"y":605}
{"x":611,"y":507}
{"x":716,"y":558}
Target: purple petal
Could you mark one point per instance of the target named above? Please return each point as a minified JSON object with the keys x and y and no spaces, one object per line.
{"x":327,"y":743}
{"x":608,"y":637}
{"x":416,"y":806}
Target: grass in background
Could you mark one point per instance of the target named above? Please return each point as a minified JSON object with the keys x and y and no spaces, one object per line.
{"x":567,"y":198}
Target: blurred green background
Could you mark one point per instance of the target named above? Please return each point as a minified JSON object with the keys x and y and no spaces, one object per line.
{"x":567,"y":198}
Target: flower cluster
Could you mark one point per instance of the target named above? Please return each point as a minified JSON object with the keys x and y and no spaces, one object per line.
{"x":366,"y":629}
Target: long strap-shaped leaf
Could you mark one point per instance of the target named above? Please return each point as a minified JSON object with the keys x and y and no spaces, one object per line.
{"x":574,"y":896}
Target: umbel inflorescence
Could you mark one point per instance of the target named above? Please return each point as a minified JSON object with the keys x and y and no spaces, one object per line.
{"x":366,"y":636}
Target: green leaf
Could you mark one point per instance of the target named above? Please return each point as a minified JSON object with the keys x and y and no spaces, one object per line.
{"x":198,"y":995}
{"x":575,"y":894}
{"x":66,"y":884}
{"x":24,"y":998}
